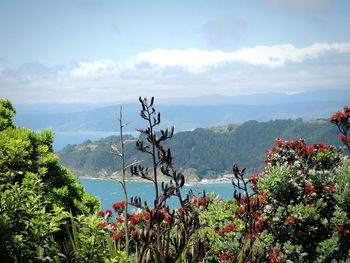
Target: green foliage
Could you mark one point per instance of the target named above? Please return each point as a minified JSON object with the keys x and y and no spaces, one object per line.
{"x":91,"y":243}
{"x":307,"y":201}
{"x":7,"y":111}
{"x":209,"y":152}
{"x":35,"y":194}
{"x":28,"y":229}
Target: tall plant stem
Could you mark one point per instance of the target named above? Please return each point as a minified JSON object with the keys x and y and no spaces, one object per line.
{"x":123,"y":183}
{"x":155,"y":176}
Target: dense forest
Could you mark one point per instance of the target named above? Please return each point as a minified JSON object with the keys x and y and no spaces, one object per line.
{"x":205,"y":153}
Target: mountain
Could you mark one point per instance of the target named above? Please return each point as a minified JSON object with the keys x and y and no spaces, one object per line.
{"x":326,"y":95}
{"x":193,"y":113}
{"x":205,"y":152}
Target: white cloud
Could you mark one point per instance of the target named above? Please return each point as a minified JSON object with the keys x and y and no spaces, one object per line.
{"x":276,"y":55}
{"x":184,"y":73}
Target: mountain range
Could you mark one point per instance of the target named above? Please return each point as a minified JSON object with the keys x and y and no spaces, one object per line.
{"x":185,"y":113}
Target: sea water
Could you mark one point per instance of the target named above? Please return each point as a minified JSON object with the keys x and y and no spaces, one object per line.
{"x":110,"y":191}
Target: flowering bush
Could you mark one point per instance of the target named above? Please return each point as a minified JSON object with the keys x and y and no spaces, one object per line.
{"x":342,"y":120}
{"x":298,"y":210}
{"x":112,"y":225}
{"x":304,"y":207}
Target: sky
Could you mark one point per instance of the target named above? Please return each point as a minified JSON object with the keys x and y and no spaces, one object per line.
{"x":95,"y":51}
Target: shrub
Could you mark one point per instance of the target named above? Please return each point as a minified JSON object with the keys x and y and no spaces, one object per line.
{"x":304,"y":207}
{"x":35,"y":193}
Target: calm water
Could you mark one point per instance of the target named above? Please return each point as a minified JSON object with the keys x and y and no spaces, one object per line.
{"x":109,"y":191}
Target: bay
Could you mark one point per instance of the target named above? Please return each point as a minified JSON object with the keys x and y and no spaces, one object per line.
{"x":110,"y":191}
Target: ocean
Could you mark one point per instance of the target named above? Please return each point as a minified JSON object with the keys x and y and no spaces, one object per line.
{"x":110,"y":191}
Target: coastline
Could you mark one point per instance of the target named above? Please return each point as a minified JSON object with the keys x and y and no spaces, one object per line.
{"x":204,"y":181}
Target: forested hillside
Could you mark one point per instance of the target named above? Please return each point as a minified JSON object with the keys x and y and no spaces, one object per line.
{"x":210,"y":152}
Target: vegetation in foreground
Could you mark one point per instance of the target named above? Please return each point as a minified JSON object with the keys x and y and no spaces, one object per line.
{"x":298,"y":211}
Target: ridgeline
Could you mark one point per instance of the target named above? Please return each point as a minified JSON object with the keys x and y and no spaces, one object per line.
{"x":202,"y":153}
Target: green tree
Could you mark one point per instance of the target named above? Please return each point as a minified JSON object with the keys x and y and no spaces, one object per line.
{"x":36,"y":193}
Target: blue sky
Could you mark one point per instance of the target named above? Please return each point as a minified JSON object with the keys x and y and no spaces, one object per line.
{"x":105,"y":51}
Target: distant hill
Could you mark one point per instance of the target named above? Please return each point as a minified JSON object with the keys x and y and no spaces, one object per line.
{"x":326,"y":95}
{"x":185,"y":113}
{"x":206,"y":152}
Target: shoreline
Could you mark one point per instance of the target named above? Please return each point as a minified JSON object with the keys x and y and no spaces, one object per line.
{"x":190,"y":183}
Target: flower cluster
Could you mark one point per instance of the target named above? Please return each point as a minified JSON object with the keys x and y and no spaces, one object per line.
{"x":105,"y":214}
{"x":300,"y":190}
{"x":201,"y":201}
{"x":342,"y":120}
{"x":341,"y":117}
{"x":297,"y":155}
{"x":119,"y":207}
{"x":137,"y":221}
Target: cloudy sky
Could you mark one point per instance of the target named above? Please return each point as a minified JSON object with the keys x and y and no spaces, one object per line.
{"x":106,"y":51}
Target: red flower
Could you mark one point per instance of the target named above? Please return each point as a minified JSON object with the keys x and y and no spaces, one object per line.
{"x":101,"y":213}
{"x":225,"y":256}
{"x":240,"y":210}
{"x":263,"y":194}
{"x":290,"y":220}
{"x":274,"y":254}
{"x":310,"y":150}
{"x":101,"y":225}
{"x":308,"y":187}
{"x":166,"y":217}
{"x":114,"y":225}
{"x":109,"y":212}
{"x":332,"y":188}
{"x":342,"y":137}
{"x":342,"y":230}
{"x":252,"y":185}
{"x":339,"y":117}
{"x":119,"y":206}
{"x":278,"y":142}
{"x":118,"y":236}
{"x":135,"y":218}
{"x":339,"y":228}
{"x":229,"y":227}
{"x":254,"y":177}
{"x":199,"y":201}
{"x":254,"y":215}
{"x":219,"y":232}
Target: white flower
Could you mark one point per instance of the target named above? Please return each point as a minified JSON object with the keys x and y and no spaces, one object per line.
{"x":267,"y":208}
{"x":312,"y":172}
